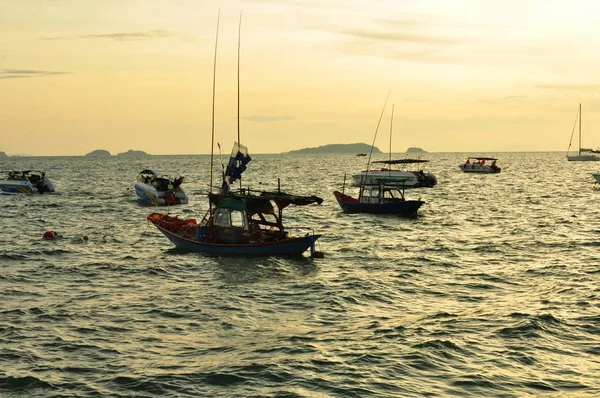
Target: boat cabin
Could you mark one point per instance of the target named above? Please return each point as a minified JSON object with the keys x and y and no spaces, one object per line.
{"x":239,"y":218}
{"x":377,"y":194}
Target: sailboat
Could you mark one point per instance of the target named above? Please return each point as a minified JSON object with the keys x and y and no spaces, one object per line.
{"x":243,"y":222}
{"x":380,"y":195}
{"x":582,"y":153}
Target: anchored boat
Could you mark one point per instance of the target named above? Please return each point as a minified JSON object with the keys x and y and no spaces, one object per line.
{"x":26,"y":182}
{"x":160,"y":188}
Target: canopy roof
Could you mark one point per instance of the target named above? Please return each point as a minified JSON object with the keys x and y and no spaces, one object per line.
{"x":473,"y":157}
{"x":160,"y":173}
{"x":256,"y":202}
{"x":401,"y":161}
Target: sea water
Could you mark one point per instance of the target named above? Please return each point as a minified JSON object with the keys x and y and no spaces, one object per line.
{"x":493,"y":290}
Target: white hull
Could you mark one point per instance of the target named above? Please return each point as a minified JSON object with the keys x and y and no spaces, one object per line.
{"x":583,"y":158}
{"x":478,"y":168}
{"x":407,"y":179}
{"x":149,"y":194}
{"x":18,"y":187}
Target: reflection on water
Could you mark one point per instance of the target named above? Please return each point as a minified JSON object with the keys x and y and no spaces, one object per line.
{"x":491,"y":291}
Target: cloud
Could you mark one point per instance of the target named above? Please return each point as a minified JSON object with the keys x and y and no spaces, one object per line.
{"x":25,"y":73}
{"x":396,"y":36}
{"x":569,"y":87}
{"x":267,"y":118}
{"x":122,"y":36}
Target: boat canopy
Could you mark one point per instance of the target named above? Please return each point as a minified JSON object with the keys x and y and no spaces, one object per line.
{"x":473,"y":157}
{"x":160,"y":173}
{"x":401,"y":161}
{"x":260,"y":203}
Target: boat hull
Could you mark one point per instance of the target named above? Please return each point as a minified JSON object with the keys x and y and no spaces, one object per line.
{"x":478,"y":168}
{"x":596,"y":177}
{"x":351,"y":205}
{"x":149,"y":195}
{"x":20,"y":187}
{"x":406,"y":179}
{"x":285,"y":247}
{"x":583,"y":158}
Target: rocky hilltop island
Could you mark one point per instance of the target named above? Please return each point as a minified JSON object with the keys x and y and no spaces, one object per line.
{"x":414,"y":149}
{"x":337,"y":148}
{"x":3,"y":154}
{"x":98,"y":153}
{"x":132,"y":154}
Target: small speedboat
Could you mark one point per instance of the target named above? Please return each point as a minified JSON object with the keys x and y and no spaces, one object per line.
{"x":480,"y":165}
{"x":596,"y":176}
{"x":26,"y":182}
{"x":160,"y":188}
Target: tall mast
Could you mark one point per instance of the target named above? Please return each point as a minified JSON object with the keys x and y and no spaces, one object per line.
{"x":238,"y":86}
{"x":391,"y":123}
{"x":580,"y":129}
{"x":238,"y":78}
{"x":212,"y":142}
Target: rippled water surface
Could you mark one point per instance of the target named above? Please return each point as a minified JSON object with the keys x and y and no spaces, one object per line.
{"x":493,"y":290}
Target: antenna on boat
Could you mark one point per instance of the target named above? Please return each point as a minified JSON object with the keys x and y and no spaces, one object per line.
{"x":377,"y":129}
{"x":373,"y":144}
{"x":238,"y":87}
{"x":212,"y":142}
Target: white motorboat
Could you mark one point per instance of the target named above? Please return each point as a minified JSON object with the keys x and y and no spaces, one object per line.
{"x":389,"y":176}
{"x":160,"y":187}
{"x":480,"y":165}
{"x":26,"y":182}
{"x":583,"y":154}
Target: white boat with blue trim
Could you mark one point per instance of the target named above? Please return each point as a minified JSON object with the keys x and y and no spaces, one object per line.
{"x":26,"y":182}
{"x":160,"y":188}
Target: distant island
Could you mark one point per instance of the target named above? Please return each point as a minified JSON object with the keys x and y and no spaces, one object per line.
{"x":3,"y":154}
{"x":414,"y":149}
{"x":337,"y":148}
{"x":132,"y":154}
{"x":98,"y":153}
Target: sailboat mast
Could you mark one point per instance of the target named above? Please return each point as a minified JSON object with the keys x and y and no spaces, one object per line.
{"x":391,"y":124}
{"x":238,"y":79}
{"x":580,"y":129}
{"x":238,"y":86}
{"x":212,"y":142}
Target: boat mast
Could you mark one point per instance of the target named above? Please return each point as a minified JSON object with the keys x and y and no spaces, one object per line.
{"x":362,"y":179}
{"x":212,"y":142}
{"x":580,"y":129}
{"x":390,"y":150}
{"x":391,"y":123}
{"x":238,"y":86}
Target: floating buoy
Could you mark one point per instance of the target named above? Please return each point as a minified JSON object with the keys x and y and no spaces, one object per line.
{"x":85,"y":237}
{"x":49,"y":235}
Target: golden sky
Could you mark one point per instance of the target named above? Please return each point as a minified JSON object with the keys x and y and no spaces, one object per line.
{"x":470,"y":75}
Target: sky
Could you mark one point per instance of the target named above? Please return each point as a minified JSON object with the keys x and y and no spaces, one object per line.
{"x":464,"y":75}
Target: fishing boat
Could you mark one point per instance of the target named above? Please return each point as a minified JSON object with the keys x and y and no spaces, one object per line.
{"x":406,"y":179}
{"x":583,"y":154}
{"x":378,"y":199}
{"x":380,"y":192}
{"x":480,"y":165}
{"x":26,"y":182}
{"x":160,"y":188}
{"x":243,"y":222}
